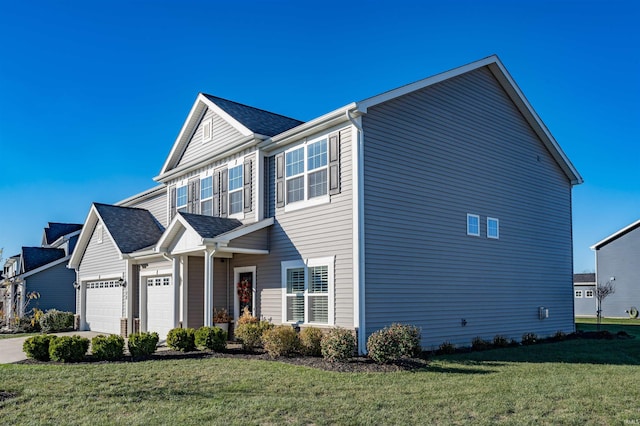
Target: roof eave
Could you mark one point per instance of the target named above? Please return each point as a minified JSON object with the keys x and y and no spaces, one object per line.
{"x":615,"y":235}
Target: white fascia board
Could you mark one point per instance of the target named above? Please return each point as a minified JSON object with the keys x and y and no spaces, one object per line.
{"x":141,"y":196}
{"x":219,"y":154}
{"x":239,"y":250}
{"x":195,"y":115}
{"x":615,"y":235}
{"x":177,"y":223}
{"x":47,"y":266}
{"x":232,"y":235}
{"x":85,"y":237}
{"x":316,"y":125}
{"x":226,"y":117}
{"x":57,"y":243}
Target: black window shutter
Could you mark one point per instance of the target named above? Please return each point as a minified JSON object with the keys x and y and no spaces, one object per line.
{"x":216,"y":194}
{"x":280,"y":180}
{"x":224,"y":185}
{"x":334,"y":163}
{"x":247,"y":184}
{"x":194,"y":196}
{"x":172,"y":203}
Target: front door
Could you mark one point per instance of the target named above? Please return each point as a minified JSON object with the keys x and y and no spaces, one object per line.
{"x":245,"y":290}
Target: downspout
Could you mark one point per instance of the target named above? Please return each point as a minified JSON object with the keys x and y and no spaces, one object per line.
{"x":358,"y":236}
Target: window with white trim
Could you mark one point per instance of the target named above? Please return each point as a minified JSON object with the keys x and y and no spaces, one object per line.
{"x":206,"y":196}
{"x":306,"y":171}
{"x":473,"y":225}
{"x":493,"y":228}
{"x":207,"y":130}
{"x":589,"y":294}
{"x":235,"y":189}
{"x":578,"y":294}
{"x":308,"y":291}
{"x":182,"y":198}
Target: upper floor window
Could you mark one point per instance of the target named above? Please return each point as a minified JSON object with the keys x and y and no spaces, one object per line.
{"x":306,"y":171}
{"x":235,"y":189}
{"x":493,"y":228}
{"x":473,"y":225}
{"x":182,"y":198}
{"x":206,"y":196}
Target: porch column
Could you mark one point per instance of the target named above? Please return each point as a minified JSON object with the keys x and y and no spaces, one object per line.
{"x":184,"y":281}
{"x":130,"y":281}
{"x":208,"y":287}
{"x":83,"y":304}
{"x":175,"y":277}
{"x":143,"y":304}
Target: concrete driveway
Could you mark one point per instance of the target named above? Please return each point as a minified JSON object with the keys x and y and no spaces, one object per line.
{"x":11,"y":349}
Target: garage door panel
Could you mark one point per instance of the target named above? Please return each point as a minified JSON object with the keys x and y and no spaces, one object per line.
{"x":104,"y":306}
{"x":160,"y":305}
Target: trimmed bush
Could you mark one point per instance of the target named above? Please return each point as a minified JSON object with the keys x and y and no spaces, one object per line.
{"x":529,"y":338}
{"x":37,"y":347}
{"x":182,"y":339}
{"x":393,"y":342}
{"x":68,"y":348}
{"x":213,"y":338}
{"x":446,"y":348}
{"x":54,"y":321}
{"x":479,"y":344}
{"x":338,"y":344}
{"x":250,"y":333}
{"x":247,"y":318}
{"x":310,"y":339}
{"x":142,"y":345}
{"x":500,"y":341}
{"x":559,"y":336}
{"x":107,"y":348}
{"x":281,"y":341}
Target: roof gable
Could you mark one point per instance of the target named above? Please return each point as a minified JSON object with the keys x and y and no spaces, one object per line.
{"x":56,"y":230}
{"x":250,"y":122}
{"x":34,"y":257}
{"x":130,"y":228}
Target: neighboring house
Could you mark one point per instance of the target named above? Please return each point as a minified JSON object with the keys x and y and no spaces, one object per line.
{"x":617,"y":261}
{"x":421,"y":205}
{"x":584,"y":291}
{"x":42,"y":270}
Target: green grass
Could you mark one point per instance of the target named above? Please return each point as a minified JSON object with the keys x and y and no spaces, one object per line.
{"x":11,"y":336}
{"x":571,"y":382}
{"x":619,"y":321}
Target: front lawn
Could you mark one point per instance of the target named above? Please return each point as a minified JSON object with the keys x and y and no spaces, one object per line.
{"x":13,"y":335}
{"x":573,"y":382}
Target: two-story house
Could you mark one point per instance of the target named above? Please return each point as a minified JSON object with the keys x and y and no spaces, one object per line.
{"x":421,"y":205}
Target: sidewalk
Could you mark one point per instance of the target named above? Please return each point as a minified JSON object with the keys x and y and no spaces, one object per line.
{"x":11,"y":349}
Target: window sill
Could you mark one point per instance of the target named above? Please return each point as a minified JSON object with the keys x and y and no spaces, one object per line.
{"x":298,"y":205}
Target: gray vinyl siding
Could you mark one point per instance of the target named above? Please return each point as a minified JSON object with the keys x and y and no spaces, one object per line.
{"x":55,"y":285}
{"x":619,"y":259}
{"x":156,"y":205}
{"x":584,"y":306}
{"x":195,"y":290}
{"x":222,"y":290}
{"x":313,"y":232}
{"x":433,"y":156}
{"x":223,"y":134}
{"x":101,"y":259}
{"x":258,"y":240}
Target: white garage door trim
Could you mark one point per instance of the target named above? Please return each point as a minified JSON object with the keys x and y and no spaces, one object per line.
{"x":104,"y":306}
{"x":160,"y":305}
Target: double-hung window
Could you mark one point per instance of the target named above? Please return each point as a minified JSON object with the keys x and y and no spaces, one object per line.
{"x":493,"y":228}
{"x":306,"y":171}
{"x":182,"y":198}
{"x":473,"y":225}
{"x":308,"y":291}
{"x":235,"y":189}
{"x":206,"y":196}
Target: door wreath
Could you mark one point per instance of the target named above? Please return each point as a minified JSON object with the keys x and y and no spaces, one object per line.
{"x":244,"y":291}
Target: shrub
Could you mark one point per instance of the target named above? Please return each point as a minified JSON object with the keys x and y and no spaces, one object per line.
{"x":446,"y":348}
{"x":338,"y":344}
{"x":68,"y":348}
{"x":479,"y":344}
{"x":250,"y":333}
{"x":247,"y":318}
{"x":559,"y":336}
{"x":142,"y":344}
{"x":310,"y":339}
{"x":54,"y":321}
{"x":281,"y":341}
{"x":37,"y":347}
{"x":529,"y":338}
{"x":393,"y":342}
{"x":500,"y":341}
{"x":107,"y":348}
{"x":213,"y":338}
{"x":181,"y":339}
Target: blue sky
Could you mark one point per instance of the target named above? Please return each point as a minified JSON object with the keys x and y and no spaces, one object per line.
{"x":93,"y":94}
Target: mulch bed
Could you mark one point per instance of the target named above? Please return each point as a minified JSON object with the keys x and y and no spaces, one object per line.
{"x":6,"y":395}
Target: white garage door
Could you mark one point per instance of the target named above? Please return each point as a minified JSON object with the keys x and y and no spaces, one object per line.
{"x":160,"y":302}
{"x":104,"y":306}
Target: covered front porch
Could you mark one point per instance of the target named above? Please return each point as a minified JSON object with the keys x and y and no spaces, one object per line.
{"x":203,"y":276}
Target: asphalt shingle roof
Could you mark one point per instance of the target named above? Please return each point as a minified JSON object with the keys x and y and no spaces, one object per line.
{"x":584,"y":278}
{"x":257,"y":120}
{"x":35,"y":257}
{"x":209,"y":226}
{"x":57,"y":230}
{"x":131,"y":228}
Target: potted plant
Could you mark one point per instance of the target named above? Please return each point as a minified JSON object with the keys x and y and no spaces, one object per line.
{"x":221,"y":319}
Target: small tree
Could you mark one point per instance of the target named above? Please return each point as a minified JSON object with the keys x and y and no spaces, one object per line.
{"x":602,"y":291}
